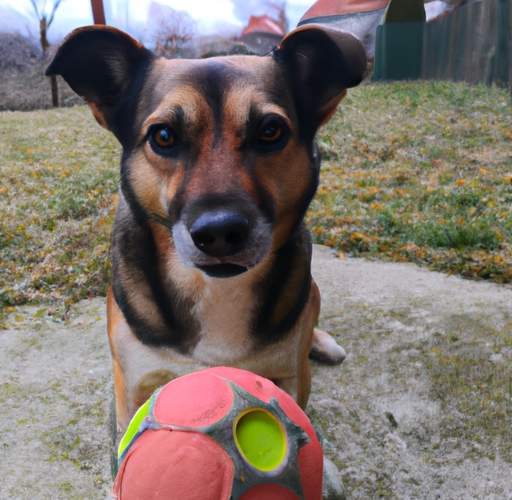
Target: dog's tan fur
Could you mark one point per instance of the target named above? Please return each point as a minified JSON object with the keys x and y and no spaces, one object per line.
{"x":211,"y":258}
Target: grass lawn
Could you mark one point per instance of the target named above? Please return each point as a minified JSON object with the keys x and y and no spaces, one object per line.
{"x":59,"y":173}
{"x":416,"y":172}
{"x":420,"y":172}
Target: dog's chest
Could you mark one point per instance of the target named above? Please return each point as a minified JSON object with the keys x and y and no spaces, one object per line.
{"x":224,"y":310}
{"x":225,"y":315}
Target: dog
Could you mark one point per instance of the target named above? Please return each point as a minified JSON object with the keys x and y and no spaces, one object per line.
{"x":211,"y":258}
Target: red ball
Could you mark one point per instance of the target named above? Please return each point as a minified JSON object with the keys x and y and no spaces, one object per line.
{"x":220,"y":434}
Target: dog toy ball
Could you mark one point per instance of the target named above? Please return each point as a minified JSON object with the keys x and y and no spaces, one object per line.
{"x":219,"y":434}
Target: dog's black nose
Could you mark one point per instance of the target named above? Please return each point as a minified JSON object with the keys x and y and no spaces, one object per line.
{"x":220,"y":233}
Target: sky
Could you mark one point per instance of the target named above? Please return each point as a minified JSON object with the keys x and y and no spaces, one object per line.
{"x":212,"y":16}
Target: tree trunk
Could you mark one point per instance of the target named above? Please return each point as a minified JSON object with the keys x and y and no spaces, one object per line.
{"x":43,"y":28}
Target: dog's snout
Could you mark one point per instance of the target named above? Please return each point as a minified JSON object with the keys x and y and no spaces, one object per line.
{"x":220,"y":233}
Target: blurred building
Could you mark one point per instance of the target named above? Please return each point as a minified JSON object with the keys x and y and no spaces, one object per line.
{"x":263,"y":33}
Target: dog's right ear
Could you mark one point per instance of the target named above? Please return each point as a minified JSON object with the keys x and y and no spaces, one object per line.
{"x":101,"y":64}
{"x":321,"y":63}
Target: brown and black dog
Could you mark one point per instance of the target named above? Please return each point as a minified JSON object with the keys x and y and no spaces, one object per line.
{"x":211,"y":257}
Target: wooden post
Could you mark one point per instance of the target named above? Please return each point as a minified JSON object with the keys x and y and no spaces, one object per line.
{"x":98,"y":12}
{"x":55,"y":91}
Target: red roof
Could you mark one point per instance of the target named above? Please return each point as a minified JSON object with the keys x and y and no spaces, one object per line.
{"x":264,"y":24}
{"x":336,"y":7}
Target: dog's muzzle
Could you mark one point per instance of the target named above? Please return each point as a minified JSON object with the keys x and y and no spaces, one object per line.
{"x":223,"y":242}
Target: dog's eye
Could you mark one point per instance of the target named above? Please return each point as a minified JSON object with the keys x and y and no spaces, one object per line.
{"x":162,"y":137}
{"x":271,"y":131}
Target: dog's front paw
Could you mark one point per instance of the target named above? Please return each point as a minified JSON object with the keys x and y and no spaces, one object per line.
{"x":332,"y":487}
{"x":324,"y":349}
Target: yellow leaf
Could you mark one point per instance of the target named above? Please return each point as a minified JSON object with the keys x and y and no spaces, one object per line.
{"x":358,"y":236}
{"x":103,"y":221}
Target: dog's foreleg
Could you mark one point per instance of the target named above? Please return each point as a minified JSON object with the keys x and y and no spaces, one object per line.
{"x":299,"y":387}
{"x":138,"y":369}
{"x":114,"y":318}
{"x":324,"y":348}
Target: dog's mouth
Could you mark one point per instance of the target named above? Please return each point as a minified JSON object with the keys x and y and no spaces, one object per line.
{"x":222,"y":270}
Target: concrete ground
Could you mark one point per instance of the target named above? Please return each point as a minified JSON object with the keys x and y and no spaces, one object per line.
{"x":398,"y":421}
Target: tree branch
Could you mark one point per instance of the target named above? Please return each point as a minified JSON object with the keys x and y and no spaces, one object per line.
{"x":55,"y":7}
{"x":34,"y":4}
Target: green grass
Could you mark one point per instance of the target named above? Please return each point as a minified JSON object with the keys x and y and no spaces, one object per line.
{"x":412,"y":171}
{"x":420,"y":172}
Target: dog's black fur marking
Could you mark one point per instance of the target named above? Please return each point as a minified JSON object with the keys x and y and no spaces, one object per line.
{"x":175,"y":327}
{"x":290,"y":259}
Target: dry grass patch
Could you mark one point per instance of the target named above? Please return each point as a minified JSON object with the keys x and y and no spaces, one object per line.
{"x":59,"y":184}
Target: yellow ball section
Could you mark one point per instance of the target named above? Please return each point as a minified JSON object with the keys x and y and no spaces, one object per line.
{"x":260,"y":438}
{"x":133,"y":427}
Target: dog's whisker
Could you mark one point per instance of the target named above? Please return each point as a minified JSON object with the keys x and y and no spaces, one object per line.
{"x":160,"y":219}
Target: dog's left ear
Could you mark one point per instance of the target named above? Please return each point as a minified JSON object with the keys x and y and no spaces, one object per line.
{"x":321,"y":64}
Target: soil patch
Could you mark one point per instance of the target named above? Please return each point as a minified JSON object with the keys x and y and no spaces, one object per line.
{"x":418,"y":410}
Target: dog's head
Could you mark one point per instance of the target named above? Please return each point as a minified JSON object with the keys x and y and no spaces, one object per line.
{"x":219,"y":150}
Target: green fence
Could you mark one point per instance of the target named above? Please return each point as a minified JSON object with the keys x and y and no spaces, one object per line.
{"x":473,"y":44}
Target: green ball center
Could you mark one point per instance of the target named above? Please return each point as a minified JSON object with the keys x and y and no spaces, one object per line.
{"x":261,"y":439}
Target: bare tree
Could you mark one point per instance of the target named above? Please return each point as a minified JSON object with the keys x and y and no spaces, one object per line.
{"x":45,"y":17}
{"x":173,"y":28}
{"x":279,"y":14}
{"x":276,"y":9}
